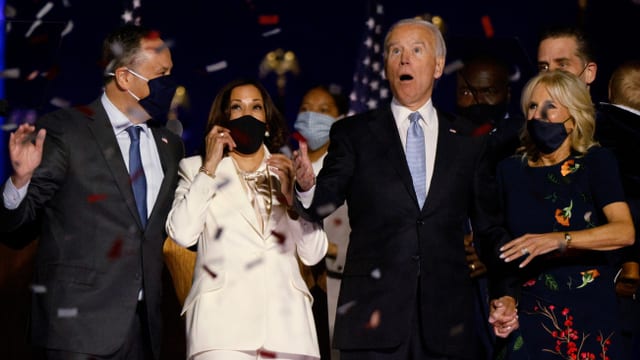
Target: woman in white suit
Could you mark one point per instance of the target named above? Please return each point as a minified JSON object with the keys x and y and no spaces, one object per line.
{"x":248,"y":299}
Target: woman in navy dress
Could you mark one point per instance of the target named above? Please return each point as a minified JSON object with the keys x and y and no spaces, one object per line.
{"x":565,"y":207}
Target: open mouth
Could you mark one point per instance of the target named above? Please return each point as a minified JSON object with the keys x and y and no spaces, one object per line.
{"x":406,"y":77}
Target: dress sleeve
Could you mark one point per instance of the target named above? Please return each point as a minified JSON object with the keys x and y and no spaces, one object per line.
{"x":604,"y":177}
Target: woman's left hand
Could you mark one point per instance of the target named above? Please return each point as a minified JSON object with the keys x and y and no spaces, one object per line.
{"x":530,"y":245}
{"x":283,"y":167}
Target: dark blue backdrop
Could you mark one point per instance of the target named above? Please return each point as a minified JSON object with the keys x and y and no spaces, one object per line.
{"x":325,"y":35}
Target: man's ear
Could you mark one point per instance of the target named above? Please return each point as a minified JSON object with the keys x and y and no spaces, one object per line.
{"x":439,"y":67}
{"x":590,"y":73}
{"x":121,"y":78}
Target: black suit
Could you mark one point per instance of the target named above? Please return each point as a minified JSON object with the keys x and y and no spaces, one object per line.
{"x":397,"y":249}
{"x":93,"y":256}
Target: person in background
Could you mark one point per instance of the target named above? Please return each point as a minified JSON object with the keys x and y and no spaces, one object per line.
{"x":100,"y":180}
{"x":564,"y":203}
{"x":569,"y":49}
{"x":406,"y":291}
{"x":483,"y":94}
{"x":618,"y":128}
{"x":319,"y":109}
{"x":248,"y":299}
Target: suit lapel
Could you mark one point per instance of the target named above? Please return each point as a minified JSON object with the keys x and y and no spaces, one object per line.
{"x":445,"y":156}
{"x":169,"y":166}
{"x":106,"y":139}
{"x":385,"y":131}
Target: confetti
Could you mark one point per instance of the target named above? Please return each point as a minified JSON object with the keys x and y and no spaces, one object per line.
{"x":67,"y":29}
{"x":486,"y":25}
{"x":264,"y":354}
{"x":32,"y":28}
{"x":374,"y":320}
{"x":453,"y":67}
{"x":45,"y":9}
{"x":337,"y":222}
{"x":12,"y":73}
{"x":216,"y":66}
{"x":271,"y":32}
{"x":211,"y":273}
{"x":94,"y":198}
{"x":326,"y":209}
{"x":218,"y":233}
{"x":38,"y":289}
{"x":85,"y":110}
{"x":298,"y":137}
{"x":9,"y":127}
{"x":251,"y":264}
{"x":268,"y":19}
{"x":33,"y":75}
{"x":116,"y":250}
{"x":67,"y":312}
{"x":376,"y":274}
{"x":59,"y":102}
{"x":280,"y":237}
{"x":344,"y":308}
{"x":225,"y":181}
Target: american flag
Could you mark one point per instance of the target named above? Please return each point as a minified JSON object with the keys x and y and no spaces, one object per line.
{"x":369,"y":84}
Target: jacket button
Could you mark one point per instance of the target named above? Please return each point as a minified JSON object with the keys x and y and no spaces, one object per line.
{"x":420,"y":222}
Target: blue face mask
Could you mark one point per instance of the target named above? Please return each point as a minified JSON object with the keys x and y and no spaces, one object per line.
{"x":314,"y":127}
{"x":547,"y":136}
{"x":161,"y":92}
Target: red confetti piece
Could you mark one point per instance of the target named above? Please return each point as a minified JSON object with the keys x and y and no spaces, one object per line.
{"x":486,"y":25}
{"x":94,"y":198}
{"x":116,"y":250}
{"x":296,"y":135}
{"x":52,"y":73}
{"x":211,"y":273}
{"x":85,"y":110}
{"x":152,"y":35}
{"x":280,"y":237}
{"x":267,"y":354}
{"x":270,"y":19}
{"x":337,"y":222}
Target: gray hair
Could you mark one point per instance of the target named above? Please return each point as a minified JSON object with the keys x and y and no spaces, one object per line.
{"x":441,"y":48}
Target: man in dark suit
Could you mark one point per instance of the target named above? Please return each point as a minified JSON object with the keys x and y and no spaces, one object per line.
{"x":618,"y":128}
{"x":406,"y":291}
{"x":97,"y":278}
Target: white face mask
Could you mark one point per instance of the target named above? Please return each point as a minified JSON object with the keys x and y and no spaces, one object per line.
{"x":314,"y":127}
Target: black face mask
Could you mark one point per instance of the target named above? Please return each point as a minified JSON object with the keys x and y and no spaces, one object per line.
{"x":247,"y":132}
{"x":161,"y":91}
{"x":546,"y":135}
{"x":481,"y":114}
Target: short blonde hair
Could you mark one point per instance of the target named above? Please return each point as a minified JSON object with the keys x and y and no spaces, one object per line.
{"x":571,"y":92}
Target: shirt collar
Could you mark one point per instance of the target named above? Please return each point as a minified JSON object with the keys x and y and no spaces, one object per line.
{"x":401,"y":112}
{"x":119,"y":121}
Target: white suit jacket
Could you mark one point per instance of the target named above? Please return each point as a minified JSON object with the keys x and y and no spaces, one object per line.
{"x":247,"y":291}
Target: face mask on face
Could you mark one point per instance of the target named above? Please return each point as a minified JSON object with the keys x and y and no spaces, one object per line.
{"x":546,"y":135}
{"x":161,"y":91}
{"x":247,"y":132}
{"x":314,"y":127}
{"x":480,"y":114}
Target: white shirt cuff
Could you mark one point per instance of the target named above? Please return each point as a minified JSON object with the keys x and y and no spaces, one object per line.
{"x":12,"y":196}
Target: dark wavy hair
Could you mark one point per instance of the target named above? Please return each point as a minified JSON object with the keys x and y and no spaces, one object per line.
{"x":277,"y":127}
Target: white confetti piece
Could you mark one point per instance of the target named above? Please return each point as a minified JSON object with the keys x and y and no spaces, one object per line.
{"x":12,"y":73}
{"x":38,"y":289}
{"x":376,"y":274}
{"x":9,"y":127}
{"x":45,"y":9}
{"x":67,"y":312}
{"x":271,"y":32}
{"x":326,"y":209}
{"x":33,"y":27}
{"x":59,"y":102}
{"x":453,"y":67}
{"x":344,"y":308}
{"x":217,"y":66}
{"x":67,"y":29}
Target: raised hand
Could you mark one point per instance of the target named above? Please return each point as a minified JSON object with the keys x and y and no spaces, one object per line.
{"x":217,"y":139}
{"x":304,"y":171}
{"x":25,"y":152}
{"x":283,"y":167}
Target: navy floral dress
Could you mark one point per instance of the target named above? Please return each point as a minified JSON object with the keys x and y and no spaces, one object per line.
{"x":567,"y":305}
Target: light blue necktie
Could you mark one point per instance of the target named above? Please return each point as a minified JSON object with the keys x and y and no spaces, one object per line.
{"x":136,"y":173}
{"x":416,"y":157}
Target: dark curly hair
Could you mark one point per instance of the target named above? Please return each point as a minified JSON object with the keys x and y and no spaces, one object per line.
{"x":219,"y":114}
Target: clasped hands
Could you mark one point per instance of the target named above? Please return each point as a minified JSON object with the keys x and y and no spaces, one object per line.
{"x":503,"y":316}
